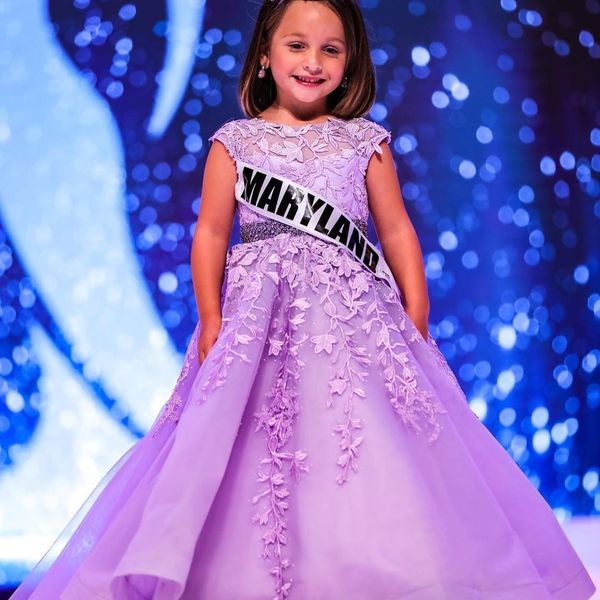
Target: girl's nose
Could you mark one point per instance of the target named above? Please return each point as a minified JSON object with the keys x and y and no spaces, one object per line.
{"x":312,"y":61}
{"x":312,"y":67}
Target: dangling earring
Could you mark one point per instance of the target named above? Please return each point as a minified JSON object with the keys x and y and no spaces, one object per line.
{"x":345,"y":82}
{"x":262,"y":72}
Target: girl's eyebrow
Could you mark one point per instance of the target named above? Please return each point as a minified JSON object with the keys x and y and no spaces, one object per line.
{"x":298,"y":34}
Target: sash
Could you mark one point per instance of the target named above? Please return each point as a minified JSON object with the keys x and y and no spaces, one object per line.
{"x":283,"y":200}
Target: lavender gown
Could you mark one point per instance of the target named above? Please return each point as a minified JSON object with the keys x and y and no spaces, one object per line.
{"x":323,"y":451}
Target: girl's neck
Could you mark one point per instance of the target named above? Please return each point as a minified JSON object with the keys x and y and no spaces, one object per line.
{"x":284,"y":117}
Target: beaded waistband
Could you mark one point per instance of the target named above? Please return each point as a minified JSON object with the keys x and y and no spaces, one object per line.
{"x":260,"y":230}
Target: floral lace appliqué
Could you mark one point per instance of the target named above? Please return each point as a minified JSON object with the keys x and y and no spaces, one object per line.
{"x":354,"y":302}
{"x":277,"y":418}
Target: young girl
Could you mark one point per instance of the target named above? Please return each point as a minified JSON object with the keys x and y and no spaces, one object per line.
{"x":316,"y":445}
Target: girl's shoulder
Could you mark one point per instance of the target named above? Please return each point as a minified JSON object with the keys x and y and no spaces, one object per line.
{"x":229,"y":135}
{"x":227,"y":128}
{"x":368,"y":136}
{"x":368,"y":131}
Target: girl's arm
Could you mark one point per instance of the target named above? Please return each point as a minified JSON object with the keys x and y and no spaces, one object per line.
{"x":398,"y":238}
{"x":213,"y":231}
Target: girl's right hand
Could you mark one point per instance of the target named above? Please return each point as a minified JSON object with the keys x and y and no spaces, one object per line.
{"x":208,"y":336}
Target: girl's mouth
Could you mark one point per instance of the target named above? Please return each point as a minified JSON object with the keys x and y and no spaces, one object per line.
{"x":308,"y":82}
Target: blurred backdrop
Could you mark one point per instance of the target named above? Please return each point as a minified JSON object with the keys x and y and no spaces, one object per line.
{"x":105,"y":111}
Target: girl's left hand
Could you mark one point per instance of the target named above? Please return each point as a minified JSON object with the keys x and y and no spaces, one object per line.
{"x":420,"y":322}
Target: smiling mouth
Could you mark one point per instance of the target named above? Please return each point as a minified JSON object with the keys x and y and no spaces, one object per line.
{"x":308,"y":80}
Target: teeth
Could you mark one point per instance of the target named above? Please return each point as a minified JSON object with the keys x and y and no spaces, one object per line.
{"x":308,"y":80}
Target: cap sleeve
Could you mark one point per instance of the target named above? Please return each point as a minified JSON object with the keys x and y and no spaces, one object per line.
{"x":372,"y":136}
{"x":228,"y":135}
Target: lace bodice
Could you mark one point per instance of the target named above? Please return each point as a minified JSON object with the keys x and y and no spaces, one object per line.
{"x":330,"y":158}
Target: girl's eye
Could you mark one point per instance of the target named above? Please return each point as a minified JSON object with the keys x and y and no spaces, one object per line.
{"x":330,"y":49}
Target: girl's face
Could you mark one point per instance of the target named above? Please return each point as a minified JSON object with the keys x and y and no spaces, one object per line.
{"x":309,"y":43}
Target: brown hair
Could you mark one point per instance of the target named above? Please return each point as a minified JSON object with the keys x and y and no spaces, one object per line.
{"x":356,"y":100}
